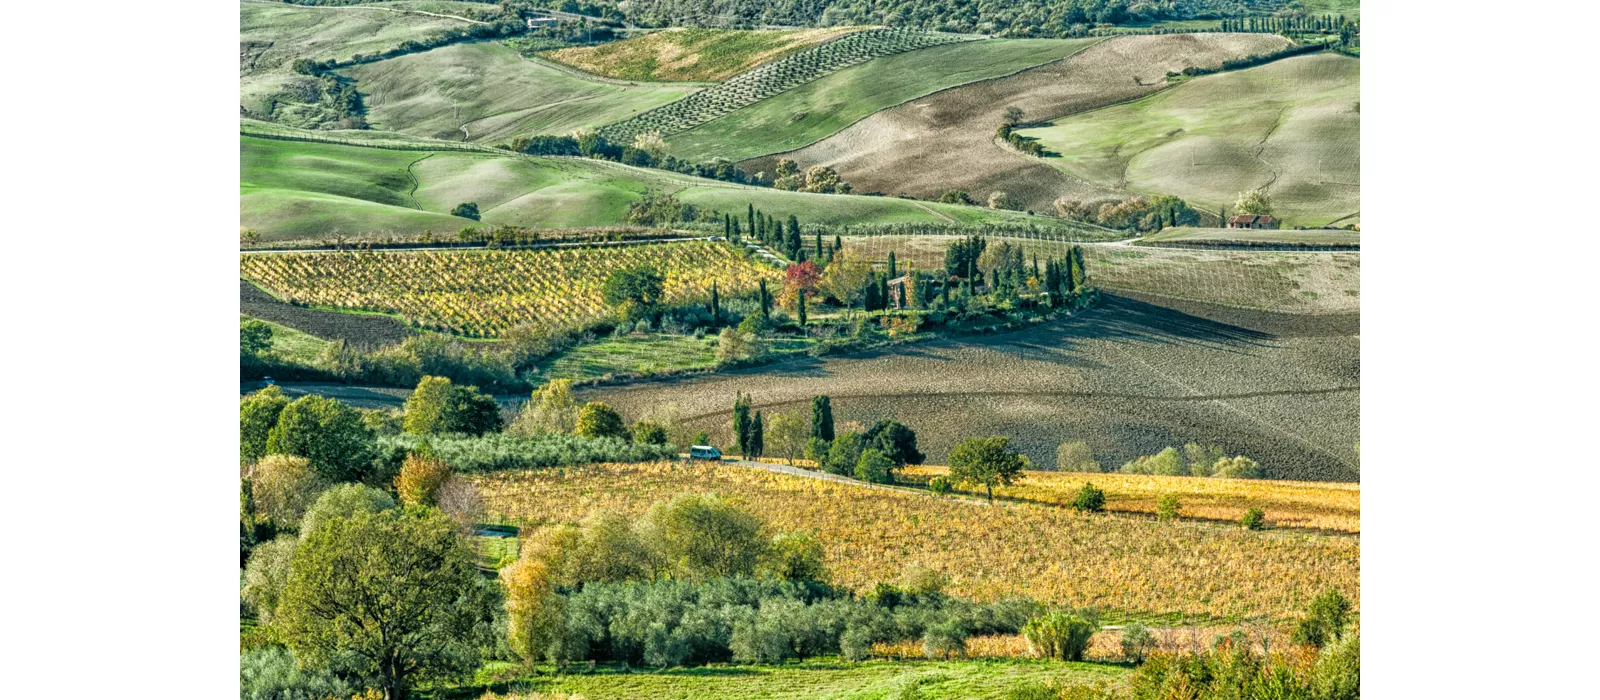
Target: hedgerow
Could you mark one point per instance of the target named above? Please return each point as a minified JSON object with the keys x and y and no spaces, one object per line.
{"x":497,"y":452}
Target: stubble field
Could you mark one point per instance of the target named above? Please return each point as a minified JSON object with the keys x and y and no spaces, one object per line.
{"x":691,"y":54}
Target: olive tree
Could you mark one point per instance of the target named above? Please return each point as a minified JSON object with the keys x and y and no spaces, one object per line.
{"x":986,"y":461}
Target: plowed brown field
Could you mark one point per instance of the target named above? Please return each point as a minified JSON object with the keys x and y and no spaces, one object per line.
{"x":887,"y":152}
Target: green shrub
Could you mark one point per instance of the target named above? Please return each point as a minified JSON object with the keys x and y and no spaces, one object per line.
{"x":327,"y":432}
{"x":1058,"y":635}
{"x":1167,"y":462}
{"x":273,"y":673}
{"x":1167,"y":506}
{"x":844,"y":453}
{"x":1090,"y":499}
{"x":874,"y":467}
{"x":597,"y":420}
{"x":1254,"y":519}
{"x":940,"y":485}
{"x":438,"y":407}
{"x":945,"y":639}
{"x":258,"y":414}
{"x":1325,"y":620}
{"x":648,"y":433}
{"x":496,"y":452}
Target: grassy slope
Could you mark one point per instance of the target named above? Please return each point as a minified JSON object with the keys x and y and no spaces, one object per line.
{"x":496,"y":93}
{"x":691,"y":54}
{"x":308,"y":190}
{"x":291,"y":345}
{"x":1324,"y":237}
{"x":272,"y":36}
{"x":1292,"y":126}
{"x":826,"y":679}
{"x":815,"y":110}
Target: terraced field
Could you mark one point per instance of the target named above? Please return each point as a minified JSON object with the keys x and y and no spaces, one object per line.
{"x":488,"y":92}
{"x":888,"y":152}
{"x":486,"y":292}
{"x":309,"y":190}
{"x":1292,"y":127}
{"x":778,"y":76}
{"x":1125,"y":565}
{"x":1128,"y":377}
{"x":692,"y":54}
{"x":818,"y":109}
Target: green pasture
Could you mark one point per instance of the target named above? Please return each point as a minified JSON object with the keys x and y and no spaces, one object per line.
{"x":690,"y":54}
{"x":816,"y":110}
{"x":820,"y":679}
{"x":290,"y":345}
{"x":294,"y":190}
{"x":494,"y":93}
{"x":1292,"y":127}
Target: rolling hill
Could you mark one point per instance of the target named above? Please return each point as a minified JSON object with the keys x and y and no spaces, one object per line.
{"x":817,"y":110}
{"x":889,"y":151}
{"x":489,"y":92}
{"x":1292,"y":127}
{"x":296,"y":190}
{"x":673,"y":55}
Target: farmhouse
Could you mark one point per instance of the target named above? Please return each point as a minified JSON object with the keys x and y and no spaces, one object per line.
{"x":1252,"y":221}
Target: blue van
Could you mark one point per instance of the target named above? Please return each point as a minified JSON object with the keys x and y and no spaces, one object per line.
{"x":705,"y":452}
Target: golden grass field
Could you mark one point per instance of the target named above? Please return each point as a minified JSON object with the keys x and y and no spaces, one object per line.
{"x":1128,"y":565}
{"x":1322,"y":505}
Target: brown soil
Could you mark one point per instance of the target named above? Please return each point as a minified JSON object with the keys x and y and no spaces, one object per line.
{"x":358,"y":330}
{"x":887,"y":152}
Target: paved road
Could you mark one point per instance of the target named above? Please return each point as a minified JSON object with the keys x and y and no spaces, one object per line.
{"x":825,"y":476}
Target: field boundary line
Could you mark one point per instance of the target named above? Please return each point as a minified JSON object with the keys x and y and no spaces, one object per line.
{"x":367,"y":7}
{"x":415,"y":183}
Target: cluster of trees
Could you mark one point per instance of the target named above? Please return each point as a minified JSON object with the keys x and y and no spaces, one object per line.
{"x":1293,"y":24}
{"x":1259,"y":59}
{"x":1007,"y":132}
{"x":317,"y":100}
{"x":1026,"y":18}
{"x":817,"y":178}
{"x":1193,"y":460}
{"x":648,"y":150}
{"x":784,"y":235}
{"x":1138,"y":213}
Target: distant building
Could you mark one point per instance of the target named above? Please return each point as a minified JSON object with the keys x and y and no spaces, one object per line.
{"x":1252,"y":221}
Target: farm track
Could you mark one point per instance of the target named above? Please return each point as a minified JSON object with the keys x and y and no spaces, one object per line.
{"x":414,"y":182}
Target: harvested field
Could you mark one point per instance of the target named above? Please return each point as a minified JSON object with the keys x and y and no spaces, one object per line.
{"x":674,"y":55}
{"x":1270,"y":281}
{"x":358,"y":330}
{"x":885,"y":152}
{"x":1129,"y":378}
{"x":1290,"y":127}
{"x":1129,"y":565}
{"x":1316,"y":505}
{"x":488,"y":92}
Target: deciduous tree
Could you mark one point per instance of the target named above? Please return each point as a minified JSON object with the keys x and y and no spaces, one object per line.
{"x":987,"y":461}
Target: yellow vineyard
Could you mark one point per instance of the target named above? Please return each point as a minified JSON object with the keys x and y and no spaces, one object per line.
{"x":1302,"y":504}
{"x":484,"y":293}
{"x":1128,"y":564}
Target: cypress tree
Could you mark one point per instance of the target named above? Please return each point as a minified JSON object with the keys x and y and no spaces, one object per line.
{"x":736,"y":232}
{"x":766,"y":302}
{"x":819,"y":245}
{"x":822,"y":418}
{"x":716,"y":305}
{"x":802,"y":312}
{"x":838,"y":243}
{"x":891,"y":265}
{"x":758,"y":441}
{"x":741,"y":422}
{"x":750,"y":217}
{"x":883,"y":293}
{"x":946,"y":293}
{"x":727,"y":227}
